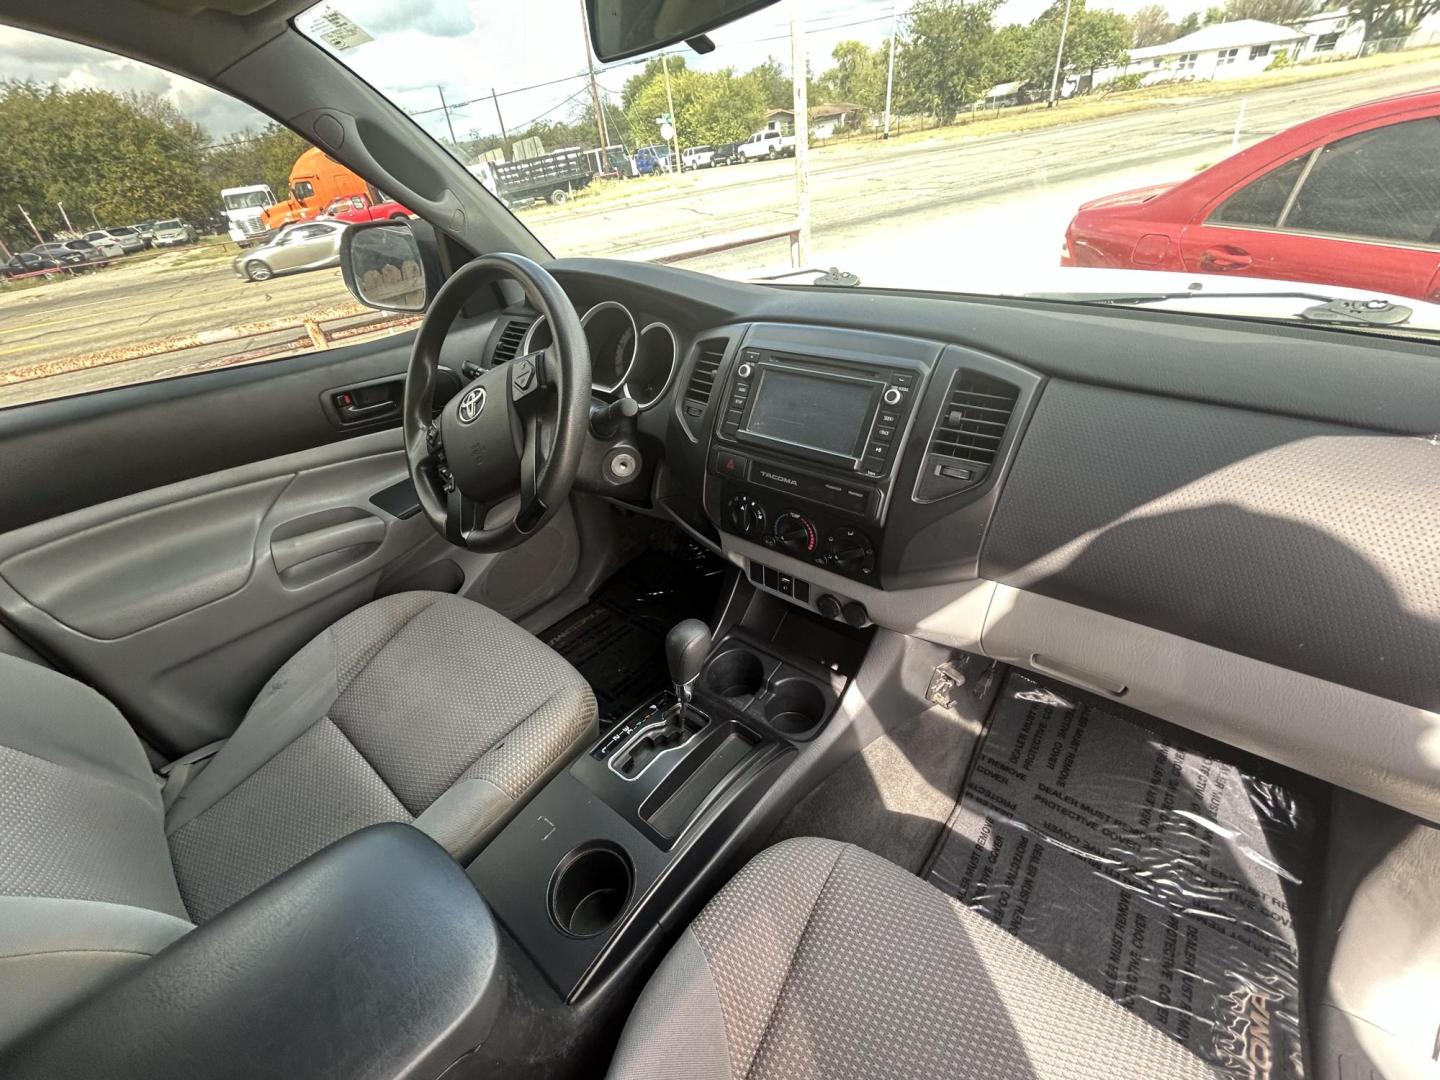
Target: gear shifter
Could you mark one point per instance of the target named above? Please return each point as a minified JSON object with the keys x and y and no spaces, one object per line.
{"x":686,"y":647}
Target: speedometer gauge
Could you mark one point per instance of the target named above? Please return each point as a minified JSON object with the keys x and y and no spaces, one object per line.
{"x":611,"y":334}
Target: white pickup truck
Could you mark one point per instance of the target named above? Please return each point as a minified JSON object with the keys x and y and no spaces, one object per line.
{"x":767,"y":144}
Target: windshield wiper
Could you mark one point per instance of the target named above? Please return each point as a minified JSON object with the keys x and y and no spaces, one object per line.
{"x":834,"y":278}
{"x":1329,"y":309}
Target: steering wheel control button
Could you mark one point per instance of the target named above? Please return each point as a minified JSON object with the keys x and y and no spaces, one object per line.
{"x":472,"y":404}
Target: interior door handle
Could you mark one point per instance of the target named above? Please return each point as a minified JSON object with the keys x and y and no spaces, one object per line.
{"x":292,"y":551}
{"x":1226,"y":258}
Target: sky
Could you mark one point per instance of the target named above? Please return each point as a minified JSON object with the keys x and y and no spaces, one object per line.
{"x":527,"y":50}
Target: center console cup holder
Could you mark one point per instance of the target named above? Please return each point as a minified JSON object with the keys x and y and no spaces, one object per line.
{"x":735,"y":673}
{"x":590,"y":889}
{"x":795,"y":705}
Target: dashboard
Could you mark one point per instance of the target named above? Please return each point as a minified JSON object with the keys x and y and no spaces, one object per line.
{"x":1226,"y":524}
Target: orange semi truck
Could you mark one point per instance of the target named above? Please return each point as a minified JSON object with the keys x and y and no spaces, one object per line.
{"x":317,"y":183}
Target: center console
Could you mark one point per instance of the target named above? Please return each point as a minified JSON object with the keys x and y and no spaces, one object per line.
{"x":620,"y":840}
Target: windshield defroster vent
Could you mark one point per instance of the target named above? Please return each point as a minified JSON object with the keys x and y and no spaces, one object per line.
{"x":967,"y":436}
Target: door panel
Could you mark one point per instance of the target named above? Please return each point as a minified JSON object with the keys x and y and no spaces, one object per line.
{"x":181,"y":601}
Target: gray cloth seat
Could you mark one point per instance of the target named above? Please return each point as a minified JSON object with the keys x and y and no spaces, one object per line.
{"x":820,"y":959}
{"x":422,"y":707}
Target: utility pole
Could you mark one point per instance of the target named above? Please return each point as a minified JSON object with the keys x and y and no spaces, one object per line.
{"x":1059,"y":54}
{"x":495,"y":98}
{"x":66,"y":217}
{"x":802,"y":135}
{"x":594,"y":91}
{"x":890,"y":70}
{"x":670,"y":112}
{"x":38,"y":238}
{"x":453,"y":141}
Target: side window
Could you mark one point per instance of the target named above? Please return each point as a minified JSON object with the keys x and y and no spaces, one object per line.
{"x":156,"y":311}
{"x":1382,"y":184}
{"x":1262,"y":201}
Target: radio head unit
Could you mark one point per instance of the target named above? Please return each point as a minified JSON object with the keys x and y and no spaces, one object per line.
{"x":847,"y":416}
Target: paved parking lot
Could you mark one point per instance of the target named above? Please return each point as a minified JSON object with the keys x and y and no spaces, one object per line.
{"x":941,"y":212}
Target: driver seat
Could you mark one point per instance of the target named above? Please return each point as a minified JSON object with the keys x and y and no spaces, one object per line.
{"x":421,"y":707}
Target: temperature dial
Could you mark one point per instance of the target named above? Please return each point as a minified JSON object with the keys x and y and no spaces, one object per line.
{"x":794,"y":533}
{"x":850,"y":551}
{"x":746,"y":517}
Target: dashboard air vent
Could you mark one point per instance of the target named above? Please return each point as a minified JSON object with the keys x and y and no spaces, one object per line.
{"x":508,"y":343}
{"x":702,"y":378}
{"x":967,"y":434}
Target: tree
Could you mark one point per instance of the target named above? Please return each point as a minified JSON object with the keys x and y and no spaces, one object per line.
{"x":1010,"y":50}
{"x":652,"y":71}
{"x":772,"y":82}
{"x":1151,"y":25}
{"x":255,"y":156}
{"x":1212,"y":16}
{"x":1392,"y":18}
{"x":945,"y":56}
{"x":710,"y":106}
{"x":1189,"y":24}
{"x":1094,"y":39}
{"x":858,"y":76}
{"x":121,"y":158}
{"x":1283,"y":12}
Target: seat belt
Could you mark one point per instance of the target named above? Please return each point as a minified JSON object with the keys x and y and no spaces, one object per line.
{"x":177,"y":774}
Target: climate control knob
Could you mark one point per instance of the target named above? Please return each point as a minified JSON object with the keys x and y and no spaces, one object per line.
{"x":850,"y":551}
{"x":795,"y":533}
{"x":745,"y":517}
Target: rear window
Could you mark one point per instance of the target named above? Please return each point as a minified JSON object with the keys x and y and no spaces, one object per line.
{"x":171,"y":224}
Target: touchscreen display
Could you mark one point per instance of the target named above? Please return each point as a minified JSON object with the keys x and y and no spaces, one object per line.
{"x":812,"y":411}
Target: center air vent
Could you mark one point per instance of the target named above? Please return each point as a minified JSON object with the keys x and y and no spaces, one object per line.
{"x":508,"y":343}
{"x":967,"y":436}
{"x":701,"y":383}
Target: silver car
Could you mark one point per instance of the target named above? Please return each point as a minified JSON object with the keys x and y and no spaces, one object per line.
{"x":306,"y":245}
{"x":129,"y":239}
{"x":106,"y":244}
{"x":173,"y":232}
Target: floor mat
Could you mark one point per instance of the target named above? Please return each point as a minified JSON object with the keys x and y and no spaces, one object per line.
{"x":1131,"y":854}
{"x":617,"y":641}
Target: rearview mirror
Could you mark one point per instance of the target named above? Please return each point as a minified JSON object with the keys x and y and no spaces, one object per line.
{"x":391,"y":265}
{"x":623,"y":28}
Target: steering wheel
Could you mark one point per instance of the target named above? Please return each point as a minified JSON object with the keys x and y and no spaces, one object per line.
{"x":517,"y":429}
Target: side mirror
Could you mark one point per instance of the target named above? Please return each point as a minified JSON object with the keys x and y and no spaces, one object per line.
{"x":391,"y":265}
{"x":625,"y":28}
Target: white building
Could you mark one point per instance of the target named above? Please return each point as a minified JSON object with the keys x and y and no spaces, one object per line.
{"x":1334,"y":34}
{"x":1228,"y":50}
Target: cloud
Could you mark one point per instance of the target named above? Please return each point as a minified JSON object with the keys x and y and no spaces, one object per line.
{"x":43,"y":59}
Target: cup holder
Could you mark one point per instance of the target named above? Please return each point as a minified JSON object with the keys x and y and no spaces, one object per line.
{"x":735,"y":673}
{"x":589,"y":889}
{"x":796,"y":705}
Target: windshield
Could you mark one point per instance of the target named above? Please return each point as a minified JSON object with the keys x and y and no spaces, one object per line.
{"x":248,"y":200}
{"x":171,"y":224}
{"x":997,"y":146}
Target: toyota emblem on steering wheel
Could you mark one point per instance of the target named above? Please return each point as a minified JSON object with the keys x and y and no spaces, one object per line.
{"x":471,"y":405}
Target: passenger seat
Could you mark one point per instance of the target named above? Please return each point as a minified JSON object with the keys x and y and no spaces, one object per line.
{"x":822,"y":960}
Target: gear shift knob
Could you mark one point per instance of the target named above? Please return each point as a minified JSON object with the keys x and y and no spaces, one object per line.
{"x":686,"y":646}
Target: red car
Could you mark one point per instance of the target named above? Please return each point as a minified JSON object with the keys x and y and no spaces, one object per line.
{"x":356,"y":208}
{"x":1350,"y":199}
